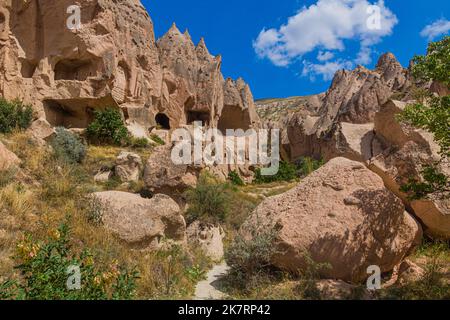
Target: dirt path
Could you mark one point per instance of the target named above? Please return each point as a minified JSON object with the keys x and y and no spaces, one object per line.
{"x":209,"y":289}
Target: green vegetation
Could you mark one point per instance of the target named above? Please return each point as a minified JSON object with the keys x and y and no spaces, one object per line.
{"x":157,"y":139}
{"x":432,"y":114}
{"x":208,"y":201}
{"x":108,"y":128}
{"x":249,"y":258}
{"x":139,"y":143}
{"x":290,"y":171}
{"x":68,"y":146}
{"x":45,"y":268}
{"x":235,"y":178}
{"x":14,"y":115}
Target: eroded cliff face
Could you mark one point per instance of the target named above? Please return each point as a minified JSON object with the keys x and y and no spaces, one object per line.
{"x":113,"y":60}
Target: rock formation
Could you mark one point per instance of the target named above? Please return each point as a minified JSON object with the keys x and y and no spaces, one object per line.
{"x":361,"y":224}
{"x":142,"y":223}
{"x":113,"y":60}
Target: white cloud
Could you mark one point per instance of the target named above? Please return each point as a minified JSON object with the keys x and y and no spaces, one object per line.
{"x":325,"y":26}
{"x":325,"y":56}
{"x":325,"y":70}
{"x":437,"y":28}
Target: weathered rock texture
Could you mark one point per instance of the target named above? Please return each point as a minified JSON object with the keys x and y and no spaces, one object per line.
{"x":209,"y":238}
{"x":320,"y":125}
{"x":405,"y":151}
{"x":142,"y":223}
{"x":113,"y":60}
{"x":8,"y":160}
{"x":128,"y":166}
{"x":360,"y":224}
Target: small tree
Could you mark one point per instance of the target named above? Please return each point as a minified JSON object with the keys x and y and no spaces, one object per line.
{"x":14,"y":115}
{"x":433,"y":114}
{"x":108,"y":127}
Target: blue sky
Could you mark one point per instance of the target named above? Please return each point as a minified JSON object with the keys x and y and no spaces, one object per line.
{"x":297,"y":59}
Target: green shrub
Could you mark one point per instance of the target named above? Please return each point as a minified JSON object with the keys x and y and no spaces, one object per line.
{"x":44,"y":268}
{"x":157,"y":139}
{"x":308,"y":165}
{"x":235,"y":178}
{"x":14,"y":115}
{"x":286,"y":172}
{"x":108,"y":127}
{"x":139,"y":143}
{"x":68,"y":146}
{"x":250,"y":259}
{"x":208,"y":201}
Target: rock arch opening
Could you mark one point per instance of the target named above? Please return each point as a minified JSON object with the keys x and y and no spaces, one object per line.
{"x":162,"y":121}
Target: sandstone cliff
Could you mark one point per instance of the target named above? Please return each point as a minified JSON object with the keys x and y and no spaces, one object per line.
{"x":113,"y":60}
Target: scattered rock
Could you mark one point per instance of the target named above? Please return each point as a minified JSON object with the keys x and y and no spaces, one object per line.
{"x":103,"y":175}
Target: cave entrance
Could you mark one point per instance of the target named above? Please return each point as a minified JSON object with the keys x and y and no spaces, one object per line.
{"x":162,"y":121}
{"x":68,"y":114}
{"x":74,"y":69}
{"x":193,"y":116}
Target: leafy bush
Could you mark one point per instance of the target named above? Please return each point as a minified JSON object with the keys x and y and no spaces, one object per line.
{"x":108,"y":127}
{"x":68,"y":146}
{"x":157,"y":139}
{"x":235,"y":178}
{"x":308,"y":165}
{"x":45,"y":273}
{"x":250,"y":259}
{"x":14,"y":115}
{"x":286,"y":172}
{"x":208,"y":201}
{"x":139,"y":143}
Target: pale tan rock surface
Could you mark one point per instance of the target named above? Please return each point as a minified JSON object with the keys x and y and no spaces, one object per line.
{"x":209,"y":238}
{"x":128,"y":166}
{"x":361,"y":223}
{"x":8,"y":160}
{"x":142,"y":223}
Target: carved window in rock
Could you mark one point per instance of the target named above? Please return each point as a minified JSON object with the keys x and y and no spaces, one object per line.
{"x":198,"y":116}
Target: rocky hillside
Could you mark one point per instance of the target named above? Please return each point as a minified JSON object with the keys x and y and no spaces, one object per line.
{"x":114,"y":60}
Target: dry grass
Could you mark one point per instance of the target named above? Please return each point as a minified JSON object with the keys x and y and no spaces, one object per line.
{"x":55,"y":195}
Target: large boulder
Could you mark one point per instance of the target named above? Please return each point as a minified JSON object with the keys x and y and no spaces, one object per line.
{"x":405,"y":152}
{"x":142,"y":223}
{"x":342,"y":215}
{"x":8,"y":160}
